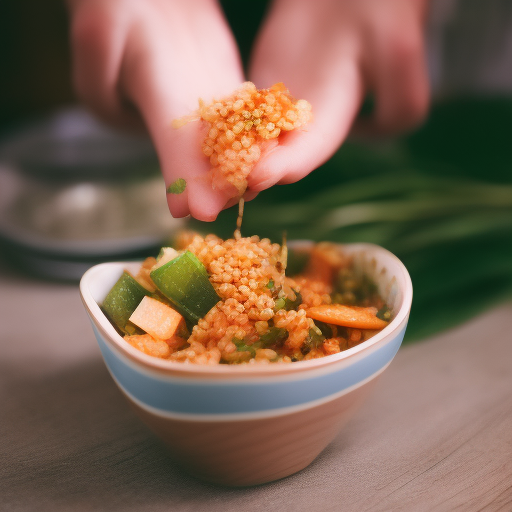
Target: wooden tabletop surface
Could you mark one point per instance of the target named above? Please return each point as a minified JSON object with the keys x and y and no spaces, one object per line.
{"x":435,"y":435}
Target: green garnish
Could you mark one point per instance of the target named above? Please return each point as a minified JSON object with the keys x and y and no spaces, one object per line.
{"x":275,"y":335}
{"x":352,"y":289}
{"x":288,"y":304}
{"x":270,"y":284}
{"x":241,"y":346}
{"x":384,"y":313}
{"x":280,"y":304}
{"x":325,"y":329}
{"x":177,"y":187}
{"x":314,"y":339}
{"x":132,"y":329}
{"x":293,"y":304}
{"x":315,"y":336}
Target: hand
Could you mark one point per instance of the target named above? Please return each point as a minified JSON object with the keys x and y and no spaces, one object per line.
{"x":147,"y":63}
{"x":332,"y":53}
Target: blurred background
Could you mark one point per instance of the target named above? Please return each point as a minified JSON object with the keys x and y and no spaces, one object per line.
{"x":73,"y":192}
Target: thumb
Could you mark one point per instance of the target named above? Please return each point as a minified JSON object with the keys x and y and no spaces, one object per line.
{"x":335,"y":104}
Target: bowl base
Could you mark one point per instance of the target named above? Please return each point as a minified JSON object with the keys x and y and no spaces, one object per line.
{"x":252,"y":452}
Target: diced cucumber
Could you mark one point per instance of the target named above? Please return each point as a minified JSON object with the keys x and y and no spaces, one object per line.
{"x":184,"y":281}
{"x":122,"y":300}
{"x":165,"y":255}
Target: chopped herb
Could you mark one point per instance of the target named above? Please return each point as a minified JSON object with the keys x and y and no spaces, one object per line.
{"x":280,"y":304}
{"x":384,"y":313}
{"x":288,"y":304}
{"x":293,"y":304}
{"x":314,"y":339}
{"x":351,"y":289}
{"x":316,"y":336}
{"x":241,"y":346}
{"x":270,"y":284}
{"x":177,"y":187}
{"x":275,"y":335}
{"x":325,"y":329}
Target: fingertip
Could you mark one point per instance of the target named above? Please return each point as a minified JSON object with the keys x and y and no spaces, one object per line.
{"x":299,"y":154}
{"x":205,"y":203}
{"x":250,"y":195}
{"x":178,"y":205}
{"x":205,"y":211}
{"x":204,"y":216}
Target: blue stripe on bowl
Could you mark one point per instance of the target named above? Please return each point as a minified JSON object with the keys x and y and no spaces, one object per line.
{"x":213,"y":397}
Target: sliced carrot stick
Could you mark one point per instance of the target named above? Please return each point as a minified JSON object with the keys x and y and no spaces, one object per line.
{"x":347,"y":316}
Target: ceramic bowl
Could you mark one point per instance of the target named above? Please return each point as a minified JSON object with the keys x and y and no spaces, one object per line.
{"x":247,"y":425}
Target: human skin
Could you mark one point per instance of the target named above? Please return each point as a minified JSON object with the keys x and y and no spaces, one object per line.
{"x":333,"y":53}
{"x":144,"y":63}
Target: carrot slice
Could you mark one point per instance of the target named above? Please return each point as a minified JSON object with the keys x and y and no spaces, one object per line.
{"x":347,"y":316}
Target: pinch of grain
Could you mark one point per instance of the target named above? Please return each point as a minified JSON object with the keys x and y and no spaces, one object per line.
{"x":258,"y":114}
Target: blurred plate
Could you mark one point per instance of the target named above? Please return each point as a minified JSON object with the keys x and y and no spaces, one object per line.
{"x":74,"y":191}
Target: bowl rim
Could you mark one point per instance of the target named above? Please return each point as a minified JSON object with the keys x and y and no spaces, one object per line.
{"x":147,"y":362}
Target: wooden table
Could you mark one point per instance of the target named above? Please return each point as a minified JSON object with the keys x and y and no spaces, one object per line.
{"x":435,"y":435}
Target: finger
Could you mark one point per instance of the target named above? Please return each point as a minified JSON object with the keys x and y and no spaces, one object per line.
{"x":98,"y":35}
{"x":248,"y":196}
{"x":180,"y":156}
{"x":401,"y":81}
{"x":335,"y":104}
{"x":167,"y":85}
